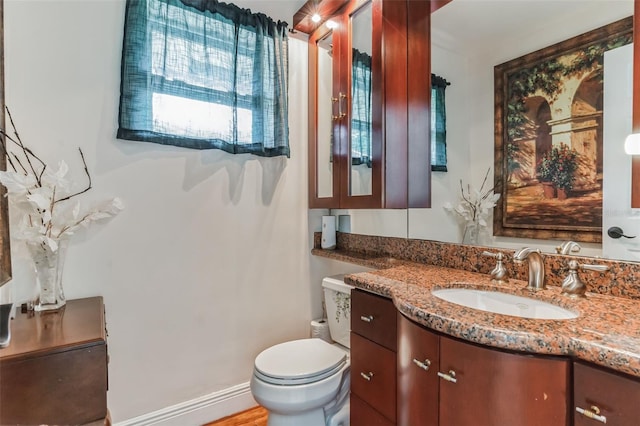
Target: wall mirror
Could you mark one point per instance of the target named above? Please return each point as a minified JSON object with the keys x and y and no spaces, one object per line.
{"x":5,"y":249}
{"x":469,"y":38}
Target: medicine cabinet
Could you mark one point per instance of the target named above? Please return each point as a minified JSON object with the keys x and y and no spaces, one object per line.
{"x":369,"y":128}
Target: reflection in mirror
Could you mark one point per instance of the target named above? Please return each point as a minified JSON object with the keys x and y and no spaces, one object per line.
{"x":325,"y":112}
{"x":5,"y":249}
{"x":361,"y":123}
{"x":469,"y":38}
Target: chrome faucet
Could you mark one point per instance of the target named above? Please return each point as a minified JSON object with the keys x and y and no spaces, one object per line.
{"x":568,"y":247}
{"x":536,"y":266}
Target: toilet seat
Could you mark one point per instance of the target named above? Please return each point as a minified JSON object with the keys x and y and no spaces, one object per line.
{"x":299,"y":362}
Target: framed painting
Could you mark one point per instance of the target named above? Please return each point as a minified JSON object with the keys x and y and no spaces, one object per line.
{"x":5,"y":248}
{"x":548,"y":138}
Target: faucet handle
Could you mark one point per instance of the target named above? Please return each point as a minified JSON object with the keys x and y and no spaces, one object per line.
{"x":499,"y":272}
{"x":572,"y":285}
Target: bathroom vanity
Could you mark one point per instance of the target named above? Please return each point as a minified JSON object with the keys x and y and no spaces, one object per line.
{"x":462,"y":366}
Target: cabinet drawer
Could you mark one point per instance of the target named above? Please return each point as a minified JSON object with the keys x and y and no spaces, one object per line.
{"x":362,"y":414}
{"x":374,"y":317}
{"x":69,"y":387}
{"x":616,"y":397}
{"x":373,"y":375}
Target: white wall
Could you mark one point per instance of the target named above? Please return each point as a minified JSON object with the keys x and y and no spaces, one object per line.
{"x":209,"y":263}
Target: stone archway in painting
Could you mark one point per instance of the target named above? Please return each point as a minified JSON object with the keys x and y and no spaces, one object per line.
{"x":587,"y":132}
{"x":536,"y":140}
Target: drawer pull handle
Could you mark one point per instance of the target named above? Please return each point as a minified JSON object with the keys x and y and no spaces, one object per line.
{"x":451,"y":377}
{"x":424,"y":365}
{"x":367,"y":318}
{"x":366,"y":376}
{"x":594,"y":413}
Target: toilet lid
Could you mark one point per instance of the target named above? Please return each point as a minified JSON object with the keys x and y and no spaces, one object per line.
{"x":299,"y":362}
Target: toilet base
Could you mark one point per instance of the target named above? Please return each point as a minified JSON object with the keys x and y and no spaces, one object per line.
{"x":308,"y":418}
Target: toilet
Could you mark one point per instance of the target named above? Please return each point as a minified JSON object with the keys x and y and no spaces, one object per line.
{"x":306,"y":382}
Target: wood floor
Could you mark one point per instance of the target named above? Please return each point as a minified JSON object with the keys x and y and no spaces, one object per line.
{"x":256,"y":416}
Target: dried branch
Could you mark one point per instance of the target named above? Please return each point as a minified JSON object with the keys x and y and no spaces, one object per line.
{"x":86,"y":170}
{"x":27,"y":152}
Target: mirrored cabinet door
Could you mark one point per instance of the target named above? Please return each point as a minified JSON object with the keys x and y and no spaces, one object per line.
{"x":324,"y":118}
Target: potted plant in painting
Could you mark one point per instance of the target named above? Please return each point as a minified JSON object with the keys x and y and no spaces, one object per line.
{"x":557,"y":169}
{"x":546,"y":171}
{"x":566,"y":163}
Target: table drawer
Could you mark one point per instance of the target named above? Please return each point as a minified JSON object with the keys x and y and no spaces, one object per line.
{"x":374,"y":317}
{"x":68,"y":387}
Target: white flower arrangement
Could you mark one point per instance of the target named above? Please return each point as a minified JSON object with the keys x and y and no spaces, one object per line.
{"x":42,"y":196}
{"x":475,"y":205}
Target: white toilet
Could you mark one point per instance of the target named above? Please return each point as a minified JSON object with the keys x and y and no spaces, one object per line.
{"x":306,"y":382}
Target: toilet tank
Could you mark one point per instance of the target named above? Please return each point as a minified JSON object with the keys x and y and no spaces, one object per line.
{"x":337,"y":298}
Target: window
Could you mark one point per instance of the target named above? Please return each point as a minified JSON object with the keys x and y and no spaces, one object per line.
{"x":361,"y":122}
{"x":204,"y":75}
{"x":438,"y":124}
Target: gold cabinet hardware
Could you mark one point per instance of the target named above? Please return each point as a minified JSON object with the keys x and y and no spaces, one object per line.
{"x":451,"y":377}
{"x":366,"y":376}
{"x":334,"y":117}
{"x":334,"y":100}
{"x":367,"y":318}
{"x":593,"y":413}
{"x":422,"y":364}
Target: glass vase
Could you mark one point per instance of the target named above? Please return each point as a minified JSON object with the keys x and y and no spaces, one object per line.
{"x":470,"y":233}
{"x":48,"y":265}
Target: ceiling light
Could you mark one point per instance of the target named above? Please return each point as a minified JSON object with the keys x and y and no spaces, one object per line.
{"x":632,"y":144}
{"x":316,"y":18}
{"x":331,"y":24}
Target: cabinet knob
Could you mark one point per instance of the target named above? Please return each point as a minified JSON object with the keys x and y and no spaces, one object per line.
{"x":424,"y":365}
{"x":366,"y":318}
{"x":593,"y":413}
{"x":366,"y":376}
{"x":450,"y":377}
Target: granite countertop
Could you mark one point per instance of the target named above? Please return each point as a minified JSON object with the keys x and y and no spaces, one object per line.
{"x":606,"y":332}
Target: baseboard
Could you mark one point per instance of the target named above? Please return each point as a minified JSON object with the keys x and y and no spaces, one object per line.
{"x":200,"y":410}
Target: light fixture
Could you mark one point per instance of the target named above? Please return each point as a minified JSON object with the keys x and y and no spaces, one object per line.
{"x":632,"y":144}
{"x":331,"y":24}
{"x":316,"y":18}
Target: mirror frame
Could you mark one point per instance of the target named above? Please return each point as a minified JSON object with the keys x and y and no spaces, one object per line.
{"x":5,"y":250}
{"x":635,"y":165}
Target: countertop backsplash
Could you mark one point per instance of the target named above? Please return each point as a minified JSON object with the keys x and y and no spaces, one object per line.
{"x":622,"y":279}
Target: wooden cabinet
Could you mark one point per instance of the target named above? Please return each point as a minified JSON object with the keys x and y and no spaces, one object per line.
{"x":392,"y":169}
{"x":373,"y":360}
{"x":601,"y":396}
{"x":54,"y":371}
{"x":465,"y":384}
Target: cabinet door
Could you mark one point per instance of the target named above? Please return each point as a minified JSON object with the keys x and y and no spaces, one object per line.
{"x":418,"y":360}
{"x":493,"y":388}
{"x":373,"y":375}
{"x":604,"y":397}
{"x":325,"y":122}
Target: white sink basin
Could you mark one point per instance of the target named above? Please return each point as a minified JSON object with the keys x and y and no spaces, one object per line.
{"x":503,"y":303}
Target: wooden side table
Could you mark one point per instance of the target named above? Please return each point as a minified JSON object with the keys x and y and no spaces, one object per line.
{"x":54,"y":370}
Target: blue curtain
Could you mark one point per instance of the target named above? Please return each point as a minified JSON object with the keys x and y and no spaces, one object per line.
{"x":438,"y":124}
{"x":361,"y":122}
{"x":204,"y":74}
